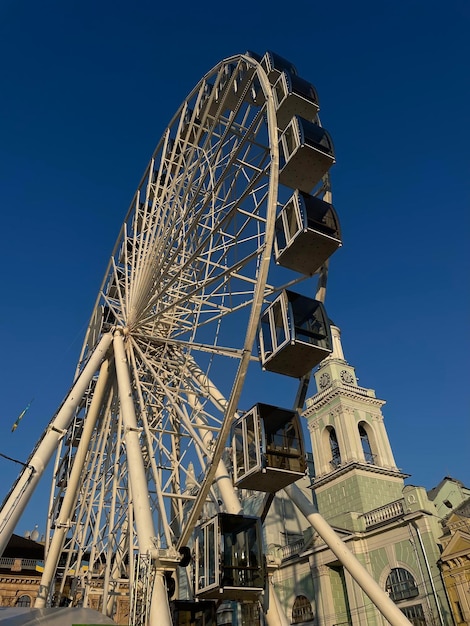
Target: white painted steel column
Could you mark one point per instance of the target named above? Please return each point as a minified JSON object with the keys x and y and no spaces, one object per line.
{"x":63,"y":520}
{"x":159,"y":607}
{"x":275,"y":614}
{"x":227,"y":490}
{"x":29,"y":478}
{"x":137,"y":476}
{"x":222,"y":477}
{"x":378,"y":596}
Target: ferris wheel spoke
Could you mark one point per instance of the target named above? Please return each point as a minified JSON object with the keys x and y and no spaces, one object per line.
{"x":199,"y":252}
{"x":203,"y":207}
{"x":174,"y":396}
{"x":194,"y":430}
{"x":151,"y":458}
{"x":222,"y":279}
{"x":220,"y":350}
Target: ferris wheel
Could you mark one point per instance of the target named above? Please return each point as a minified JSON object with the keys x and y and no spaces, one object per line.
{"x":232,"y":213}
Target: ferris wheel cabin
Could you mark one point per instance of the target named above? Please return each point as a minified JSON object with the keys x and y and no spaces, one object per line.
{"x":273,"y":64}
{"x":229,"y":558}
{"x":307,"y":233}
{"x":268,"y":450}
{"x":294,"y":335}
{"x":294,"y":96}
{"x":306,"y":154}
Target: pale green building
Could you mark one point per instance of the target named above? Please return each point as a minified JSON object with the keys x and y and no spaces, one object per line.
{"x":392,"y":529}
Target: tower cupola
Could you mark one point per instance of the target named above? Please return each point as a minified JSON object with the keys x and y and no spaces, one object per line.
{"x":351,"y":450}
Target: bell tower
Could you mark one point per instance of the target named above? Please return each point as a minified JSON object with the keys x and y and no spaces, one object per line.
{"x":355,"y":471}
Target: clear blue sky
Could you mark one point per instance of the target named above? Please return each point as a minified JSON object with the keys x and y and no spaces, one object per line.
{"x":87,"y":89}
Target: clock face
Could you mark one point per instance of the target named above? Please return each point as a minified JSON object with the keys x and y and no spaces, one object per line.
{"x":324,"y":380}
{"x":346,"y":377}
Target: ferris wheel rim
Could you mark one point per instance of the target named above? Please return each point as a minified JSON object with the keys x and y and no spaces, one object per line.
{"x":244,"y":352}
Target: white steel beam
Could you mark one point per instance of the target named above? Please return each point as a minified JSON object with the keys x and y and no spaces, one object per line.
{"x":137,"y":477}
{"x":275,"y":614}
{"x":63,"y":519}
{"x":159,"y":606}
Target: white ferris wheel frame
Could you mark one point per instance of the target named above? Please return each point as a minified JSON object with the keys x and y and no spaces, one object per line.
{"x":189,"y":257}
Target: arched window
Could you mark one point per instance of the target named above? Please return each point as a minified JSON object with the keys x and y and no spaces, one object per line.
{"x":23,"y":601}
{"x":401,"y":585}
{"x":366,"y":448}
{"x":334,"y":446}
{"x":302,"y":610}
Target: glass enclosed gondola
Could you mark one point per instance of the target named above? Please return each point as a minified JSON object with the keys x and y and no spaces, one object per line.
{"x":273,"y":64}
{"x":229,"y":558}
{"x":294,"y":96}
{"x":268,"y":450}
{"x":306,"y":154}
{"x":294,"y":335}
{"x":307,"y":233}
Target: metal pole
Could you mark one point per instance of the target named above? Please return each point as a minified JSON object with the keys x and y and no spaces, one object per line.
{"x":378,"y":596}
{"x":275,"y":615}
{"x":159,"y":607}
{"x":24,"y":487}
{"x":222,"y":477}
{"x":63,"y":520}
{"x":428,"y":570}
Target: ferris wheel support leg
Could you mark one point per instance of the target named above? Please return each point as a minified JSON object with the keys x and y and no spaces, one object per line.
{"x":222,"y":476}
{"x":159,"y":606}
{"x":160,"y":614}
{"x":28,"y":479}
{"x":275,"y":615}
{"x":62,"y":523}
{"x":227,"y":490}
{"x":136,"y":469}
{"x":378,"y":596}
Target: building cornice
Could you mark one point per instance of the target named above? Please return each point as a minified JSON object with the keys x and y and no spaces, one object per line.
{"x":346,"y":467}
{"x":20,"y":580}
{"x":339,"y":389}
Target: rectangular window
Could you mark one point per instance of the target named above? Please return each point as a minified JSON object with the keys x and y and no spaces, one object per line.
{"x":415,"y":614}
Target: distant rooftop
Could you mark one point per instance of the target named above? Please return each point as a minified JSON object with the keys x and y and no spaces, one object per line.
{"x":432,"y":493}
{"x":23,"y":548}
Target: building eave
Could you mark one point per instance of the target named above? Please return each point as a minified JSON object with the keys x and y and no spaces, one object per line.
{"x":350,"y":465}
{"x":336,"y":390}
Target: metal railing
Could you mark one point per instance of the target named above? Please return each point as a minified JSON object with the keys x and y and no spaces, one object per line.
{"x":10,"y":562}
{"x":292,"y":549}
